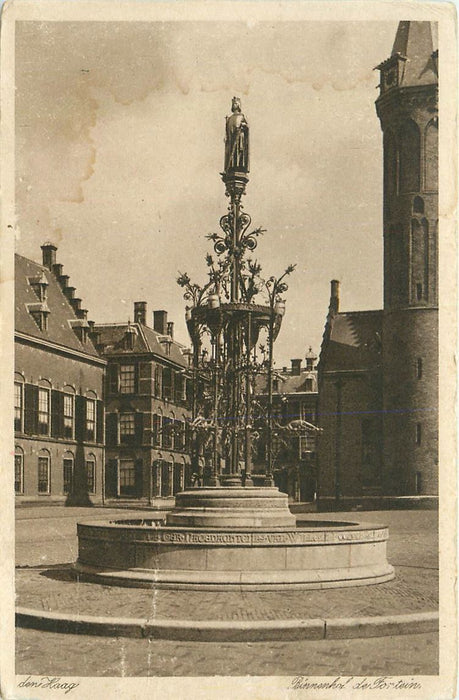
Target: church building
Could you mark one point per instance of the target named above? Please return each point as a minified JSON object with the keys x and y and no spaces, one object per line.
{"x":378,"y":370}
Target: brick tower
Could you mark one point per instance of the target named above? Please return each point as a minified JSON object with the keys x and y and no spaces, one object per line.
{"x":408,"y":110}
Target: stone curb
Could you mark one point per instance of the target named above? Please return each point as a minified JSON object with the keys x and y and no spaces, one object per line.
{"x":229,"y":630}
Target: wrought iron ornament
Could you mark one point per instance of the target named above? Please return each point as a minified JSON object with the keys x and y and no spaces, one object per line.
{"x":224,"y":314}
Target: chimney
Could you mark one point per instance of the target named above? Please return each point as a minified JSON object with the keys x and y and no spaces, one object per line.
{"x":160,"y":322}
{"x":140,"y":312}
{"x":91,"y":325}
{"x":296,"y":366}
{"x":76,"y":304}
{"x":57,"y":270}
{"x":334,"y":296}
{"x":49,"y":255}
{"x":63,"y":281}
{"x":81,"y":313}
{"x":170,"y":329}
{"x":69,"y":292}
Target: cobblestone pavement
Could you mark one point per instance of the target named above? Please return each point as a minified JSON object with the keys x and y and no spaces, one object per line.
{"x":413,"y":551}
{"x":47,"y":540}
{"x":41,"y":653}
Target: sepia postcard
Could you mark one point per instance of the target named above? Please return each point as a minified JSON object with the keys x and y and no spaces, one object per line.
{"x":228,"y":311}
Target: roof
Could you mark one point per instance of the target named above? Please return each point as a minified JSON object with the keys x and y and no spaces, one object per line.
{"x":416,"y":41}
{"x":353,"y":342}
{"x":61,"y":313}
{"x":288,"y":383}
{"x":146,"y":340}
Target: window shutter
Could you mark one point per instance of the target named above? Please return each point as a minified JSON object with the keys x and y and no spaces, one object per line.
{"x":112,"y":379}
{"x":158,"y":381}
{"x":80,"y":418}
{"x":138,"y":417}
{"x":136,"y":378}
{"x":57,"y":414}
{"x":31,"y":409}
{"x":111,"y":424}
{"x":100,"y":421}
{"x":111,"y":477}
{"x":139,"y":476}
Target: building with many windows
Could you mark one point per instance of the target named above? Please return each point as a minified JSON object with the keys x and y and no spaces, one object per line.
{"x":147,"y":407}
{"x":58,"y":389}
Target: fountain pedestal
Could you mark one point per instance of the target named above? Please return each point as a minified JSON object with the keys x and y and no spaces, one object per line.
{"x":233,"y":539}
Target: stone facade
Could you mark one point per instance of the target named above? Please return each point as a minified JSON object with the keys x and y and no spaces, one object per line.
{"x":147,"y":407}
{"x":378,"y":375}
{"x":59,"y":378}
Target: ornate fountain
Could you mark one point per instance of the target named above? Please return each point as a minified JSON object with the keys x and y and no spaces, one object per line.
{"x":229,"y":533}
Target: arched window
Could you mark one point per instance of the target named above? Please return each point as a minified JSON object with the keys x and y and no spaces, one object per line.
{"x":44,"y":472}
{"x":390,"y":168}
{"x":18,"y":402}
{"x":44,"y":407}
{"x":418,"y":205}
{"x":67,"y":475}
{"x":410,"y":151}
{"x":431,"y":156}
{"x":69,"y":411}
{"x":91,"y":416}
{"x":91,"y":473}
{"x":18,"y":470}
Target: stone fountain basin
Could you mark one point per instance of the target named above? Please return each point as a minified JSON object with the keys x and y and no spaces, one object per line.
{"x":147,"y":553}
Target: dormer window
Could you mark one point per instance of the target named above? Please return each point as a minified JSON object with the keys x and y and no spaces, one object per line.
{"x":391,"y":70}
{"x":39,"y":285}
{"x":39,"y":313}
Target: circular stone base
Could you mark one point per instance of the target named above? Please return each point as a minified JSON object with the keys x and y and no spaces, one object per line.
{"x":231,"y":506}
{"x":332,"y":555}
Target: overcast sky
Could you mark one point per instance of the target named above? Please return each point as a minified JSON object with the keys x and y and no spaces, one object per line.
{"x":120,"y":131}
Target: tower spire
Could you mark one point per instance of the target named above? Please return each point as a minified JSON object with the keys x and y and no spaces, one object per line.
{"x":415,"y":44}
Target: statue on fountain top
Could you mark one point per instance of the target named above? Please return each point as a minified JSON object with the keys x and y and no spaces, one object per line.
{"x":236,"y":141}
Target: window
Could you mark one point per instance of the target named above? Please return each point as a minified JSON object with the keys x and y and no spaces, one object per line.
{"x":68,"y":475}
{"x":418,"y":205}
{"x":127,"y":474}
{"x":179,"y":434}
{"x":180,"y":395}
{"x":18,"y":472}
{"x":418,"y":433}
{"x":418,"y":483}
{"x":127,"y":379}
{"x":167,"y":432}
{"x":43,"y":475}
{"x":68,"y":415}
{"x":419,"y":368}
{"x":158,"y":380}
{"x":127,"y":427}
{"x":91,"y":475}
{"x":308,"y":384}
{"x":41,"y":319}
{"x":156,"y":430}
{"x":18,"y":406}
{"x":43,"y":411}
{"x":90,"y":420}
{"x":419,"y":291}
{"x":275,"y":385}
{"x":167,"y":383}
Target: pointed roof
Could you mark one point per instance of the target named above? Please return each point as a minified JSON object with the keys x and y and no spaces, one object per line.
{"x":416,"y":42}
